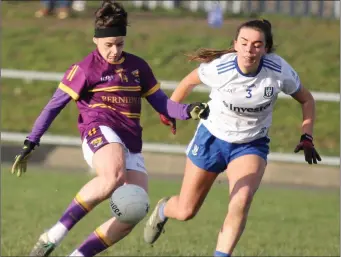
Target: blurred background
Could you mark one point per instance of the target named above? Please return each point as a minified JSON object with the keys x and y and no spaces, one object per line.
{"x":41,"y":39}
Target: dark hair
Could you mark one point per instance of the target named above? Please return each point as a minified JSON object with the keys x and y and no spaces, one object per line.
{"x":208,"y":55}
{"x":110,"y":14}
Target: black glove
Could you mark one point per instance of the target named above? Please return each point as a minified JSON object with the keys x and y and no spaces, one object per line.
{"x":310,"y":153}
{"x":20,"y":161}
{"x":198,"y":111}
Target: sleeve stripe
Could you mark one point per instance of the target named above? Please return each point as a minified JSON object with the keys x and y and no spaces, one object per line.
{"x":72,"y":73}
{"x":68,"y":76}
{"x":69,"y":91}
{"x":152,"y":90}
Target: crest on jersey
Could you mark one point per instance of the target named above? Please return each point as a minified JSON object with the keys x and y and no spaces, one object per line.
{"x":136,"y":74}
{"x":121,"y":74}
{"x":268,"y":92}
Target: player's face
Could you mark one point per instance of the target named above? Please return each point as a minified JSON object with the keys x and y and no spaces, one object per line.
{"x":110,"y":47}
{"x":250,"y":47}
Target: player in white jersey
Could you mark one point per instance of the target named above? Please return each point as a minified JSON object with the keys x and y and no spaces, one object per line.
{"x":245,"y":82}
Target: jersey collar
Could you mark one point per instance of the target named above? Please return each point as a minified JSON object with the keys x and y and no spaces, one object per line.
{"x":249,"y":75}
{"x":121,"y":60}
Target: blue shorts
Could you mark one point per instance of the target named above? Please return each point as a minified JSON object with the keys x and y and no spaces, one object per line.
{"x":213,"y":154}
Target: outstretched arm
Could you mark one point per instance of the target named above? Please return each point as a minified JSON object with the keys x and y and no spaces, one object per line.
{"x":42,"y":123}
{"x":163,"y":105}
{"x":185,"y":86}
{"x":58,"y":101}
{"x":69,"y":88}
{"x":170,"y":109}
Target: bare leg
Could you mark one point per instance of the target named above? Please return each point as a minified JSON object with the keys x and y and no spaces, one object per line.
{"x":109,"y":162}
{"x":195,"y":186}
{"x":111,"y":231}
{"x":244,"y":174}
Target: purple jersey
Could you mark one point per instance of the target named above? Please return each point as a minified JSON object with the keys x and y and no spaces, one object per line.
{"x":110,"y":94}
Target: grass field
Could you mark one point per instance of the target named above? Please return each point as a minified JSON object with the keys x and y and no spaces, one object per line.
{"x":283,"y":222}
{"x":310,"y":45}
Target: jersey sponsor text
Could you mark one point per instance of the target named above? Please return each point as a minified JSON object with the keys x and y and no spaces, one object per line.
{"x":246,"y":109}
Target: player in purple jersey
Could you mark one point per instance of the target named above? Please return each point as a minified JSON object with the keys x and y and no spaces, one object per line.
{"x":107,"y":86}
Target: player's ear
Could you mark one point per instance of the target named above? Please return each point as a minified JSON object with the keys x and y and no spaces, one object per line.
{"x":95,"y":40}
{"x":235,"y":44}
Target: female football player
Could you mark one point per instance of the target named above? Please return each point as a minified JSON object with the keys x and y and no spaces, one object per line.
{"x":107,"y":86}
{"x":245,"y":81}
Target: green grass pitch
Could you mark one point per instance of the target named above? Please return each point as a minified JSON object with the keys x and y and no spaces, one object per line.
{"x":282,"y":222}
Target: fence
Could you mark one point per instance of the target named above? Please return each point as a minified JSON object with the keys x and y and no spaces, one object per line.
{"x":158,"y":148}
{"x":167,"y":85}
{"x":321,"y":8}
{"x":148,"y":147}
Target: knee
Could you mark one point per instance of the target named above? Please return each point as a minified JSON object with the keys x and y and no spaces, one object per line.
{"x":185,"y":214}
{"x":241,"y":202}
{"x":110,"y":181}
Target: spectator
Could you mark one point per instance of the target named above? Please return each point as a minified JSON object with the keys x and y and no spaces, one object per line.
{"x":63,"y":8}
{"x":78,"y":5}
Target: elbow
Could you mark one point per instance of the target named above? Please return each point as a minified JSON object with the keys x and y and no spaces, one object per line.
{"x":310,"y":99}
{"x":308,"y":103}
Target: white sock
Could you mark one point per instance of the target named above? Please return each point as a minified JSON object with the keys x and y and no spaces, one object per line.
{"x":161,"y":212}
{"x":57,"y":233}
{"x":76,"y":253}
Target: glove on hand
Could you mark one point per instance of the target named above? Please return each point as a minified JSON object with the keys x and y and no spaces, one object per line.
{"x":310,"y":153}
{"x":198,"y":111}
{"x":20,"y":160}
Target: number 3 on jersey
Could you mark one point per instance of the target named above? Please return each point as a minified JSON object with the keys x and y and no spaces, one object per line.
{"x":249,"y":95}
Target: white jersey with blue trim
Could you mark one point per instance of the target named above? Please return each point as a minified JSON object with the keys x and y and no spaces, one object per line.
{"x":241,"y":106}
